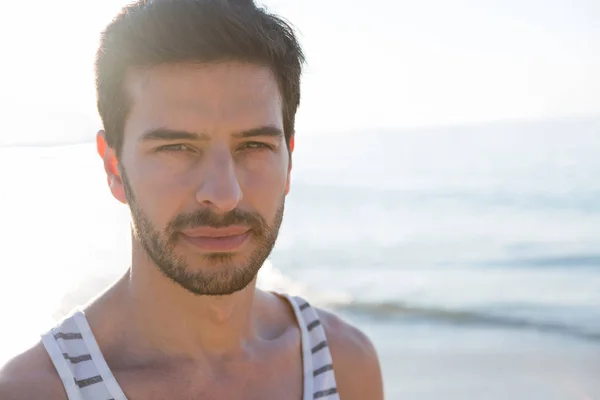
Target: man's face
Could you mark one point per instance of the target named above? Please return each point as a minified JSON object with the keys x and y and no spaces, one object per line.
{"x":205,"y":170}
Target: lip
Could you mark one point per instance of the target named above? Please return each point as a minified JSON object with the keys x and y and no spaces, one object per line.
{"x":217,"y":240}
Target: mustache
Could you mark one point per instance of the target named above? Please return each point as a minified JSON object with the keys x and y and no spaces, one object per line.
{"x":208,"y":218}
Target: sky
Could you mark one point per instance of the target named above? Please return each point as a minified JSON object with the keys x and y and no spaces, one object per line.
{"x":375,"y":64}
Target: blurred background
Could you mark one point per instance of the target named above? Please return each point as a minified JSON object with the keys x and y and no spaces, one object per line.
{"x":445,"y":196}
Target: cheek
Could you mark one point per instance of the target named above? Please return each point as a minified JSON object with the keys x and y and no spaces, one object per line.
{"x":263,"y":179}
{"x":160,"y":189}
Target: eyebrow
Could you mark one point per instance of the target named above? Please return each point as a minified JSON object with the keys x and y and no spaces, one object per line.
{"x":165,"y":134}
{"x":268,"y":130}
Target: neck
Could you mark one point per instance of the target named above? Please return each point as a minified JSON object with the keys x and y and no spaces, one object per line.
{"x":159,"y":314}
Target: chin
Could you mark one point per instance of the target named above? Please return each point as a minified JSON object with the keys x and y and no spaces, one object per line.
{"x":199,"y":262}
{"x":216,"y":273}
{"x":220,"y":281}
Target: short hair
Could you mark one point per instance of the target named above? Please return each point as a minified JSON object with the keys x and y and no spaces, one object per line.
{"x":149,"y":33}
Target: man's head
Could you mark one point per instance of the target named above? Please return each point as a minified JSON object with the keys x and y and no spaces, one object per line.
{"x":198,"y":99}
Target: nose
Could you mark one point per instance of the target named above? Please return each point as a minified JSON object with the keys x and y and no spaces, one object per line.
{"x":219,"y":188}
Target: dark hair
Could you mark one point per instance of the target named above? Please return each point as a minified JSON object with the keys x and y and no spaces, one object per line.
{"x":152,"y":32}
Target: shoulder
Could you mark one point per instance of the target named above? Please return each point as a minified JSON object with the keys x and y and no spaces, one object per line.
{"x":357,"y":369}
{"x":30,"y":375}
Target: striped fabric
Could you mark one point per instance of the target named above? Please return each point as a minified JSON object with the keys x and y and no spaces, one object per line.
{"x":86,"y":376}
{"x":319,"y":377}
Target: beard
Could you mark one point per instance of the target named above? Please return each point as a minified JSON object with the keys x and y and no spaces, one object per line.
{"x":222,"y":275}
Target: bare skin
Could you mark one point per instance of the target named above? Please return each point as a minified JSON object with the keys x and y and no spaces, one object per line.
{"x":31,"y":375}
{"x":160,"y":339}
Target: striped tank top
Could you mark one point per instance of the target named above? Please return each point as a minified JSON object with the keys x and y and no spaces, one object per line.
{"x":86,"y":376}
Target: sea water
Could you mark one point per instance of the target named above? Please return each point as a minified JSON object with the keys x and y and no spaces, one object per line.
{"x":444,"y":229}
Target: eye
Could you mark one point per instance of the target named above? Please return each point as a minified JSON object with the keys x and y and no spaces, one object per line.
{"x":256,"y":146}
{"x":174,"y":148}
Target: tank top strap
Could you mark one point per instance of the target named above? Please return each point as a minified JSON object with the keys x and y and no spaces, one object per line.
{"x":319,"y":375}
{"x":77,"y":358}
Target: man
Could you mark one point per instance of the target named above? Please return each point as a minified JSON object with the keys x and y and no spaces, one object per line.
{"x":198,"y":99}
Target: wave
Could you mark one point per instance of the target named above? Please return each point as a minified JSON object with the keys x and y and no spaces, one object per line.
{"x":406,"y":312}
{"x":271,"y":278}
{"x":574,"y":260}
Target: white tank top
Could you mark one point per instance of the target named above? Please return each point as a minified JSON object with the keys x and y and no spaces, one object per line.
{"x":86,"y":376}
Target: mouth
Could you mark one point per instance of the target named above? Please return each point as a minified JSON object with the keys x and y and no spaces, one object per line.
{"x":215,"y":240}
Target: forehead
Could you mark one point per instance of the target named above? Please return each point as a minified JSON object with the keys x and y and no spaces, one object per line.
{"x":214,"y":98}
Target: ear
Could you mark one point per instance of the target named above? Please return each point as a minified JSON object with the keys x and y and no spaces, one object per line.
{"x":289,"y":172}
{"x":111,"y":167}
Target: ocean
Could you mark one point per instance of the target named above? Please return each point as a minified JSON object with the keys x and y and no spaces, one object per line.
{"x":469,"y":254}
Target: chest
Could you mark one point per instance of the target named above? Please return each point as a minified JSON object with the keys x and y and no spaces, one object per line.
{"x":275,"y":380}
